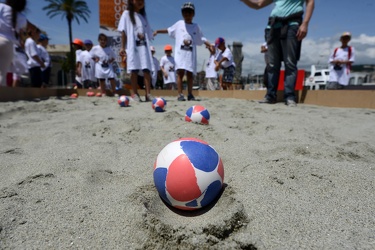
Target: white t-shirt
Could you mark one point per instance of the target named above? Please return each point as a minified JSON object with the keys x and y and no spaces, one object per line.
{"x":44,"y":56}
{"x":87,"y":66}
{"x":227,"y":54}
{"x":187,"y":37}
{"x":78,"y":53}
{"x":154,"y":74}
{"x":103,"y":69}
{"x":6,"y":26}
{"x":341,"y":76}
{"x":210,"y":67}
{"x":138,"y":54}
{"x":31,"y":50}
{"x":168,"y":64}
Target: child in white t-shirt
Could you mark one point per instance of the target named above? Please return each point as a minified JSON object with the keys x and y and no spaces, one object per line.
{"x":136,"y":34}
{"x":86,"y":66}
{"x":104,"y":57}
{"x":340,"y":64}
{"x":154,"y":75}
{"x":167,"y":65}
{"x":211,"y":73}
{"x":224,"y":60}
{"x":187,"y":36}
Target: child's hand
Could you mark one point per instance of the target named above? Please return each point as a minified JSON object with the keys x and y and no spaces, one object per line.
{"x":122,"y":52}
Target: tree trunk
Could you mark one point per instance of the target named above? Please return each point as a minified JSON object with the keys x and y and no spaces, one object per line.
{"x":72,"y":56}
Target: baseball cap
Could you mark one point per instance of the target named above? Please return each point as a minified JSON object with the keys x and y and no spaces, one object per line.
{"x":88,"y":41}
{"x":43,"y":37}
{"x":78,"y":42}
{"x":167,"y":47}
{"x":152,"y":48}
{"x":188,"y":6}
{"x":219,"y":41}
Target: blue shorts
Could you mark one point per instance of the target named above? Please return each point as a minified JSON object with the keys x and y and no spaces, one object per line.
{"x":228,"y":74}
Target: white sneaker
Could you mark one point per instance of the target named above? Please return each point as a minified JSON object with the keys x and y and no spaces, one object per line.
{"x":136,"y":97}
{"x":291,"y":103}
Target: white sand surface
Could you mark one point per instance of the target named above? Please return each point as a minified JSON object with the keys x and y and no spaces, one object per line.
{"x":78,"y":174}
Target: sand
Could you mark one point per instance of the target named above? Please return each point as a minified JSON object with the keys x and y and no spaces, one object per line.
{"x":78,"y":174}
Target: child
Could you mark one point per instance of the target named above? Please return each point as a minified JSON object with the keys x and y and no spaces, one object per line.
{"x":225,"y":61}
{"x":78,"y":48}
{"x":156,"y":63}
{"x":46,"y":71}
{"x":211,"y":74}
{"x":104,"y":57}
{"x":167,"y":65}
{"x":34,"y":62}
{"x":340,"y":63}
{"x":86,"y":66}
{"x":187,"y":36}
{"x":136,"y":34}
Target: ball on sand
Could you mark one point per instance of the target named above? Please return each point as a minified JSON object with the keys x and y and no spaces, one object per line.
{"x":188,"y":174}
{"x":159,"y":104}
{"x":74,"y":95}
{"x":123,"y":101}
{"x":197,"y":114}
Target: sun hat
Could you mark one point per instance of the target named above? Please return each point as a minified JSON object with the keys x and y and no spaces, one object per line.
{"x":188,"y":6}
{"x":346,"y":34}
{"x":167,"y":47}
{"x":78,"y":42}
{"x":152,"y":48}
{"x":88,"y":42}
{"x":219,"y":41}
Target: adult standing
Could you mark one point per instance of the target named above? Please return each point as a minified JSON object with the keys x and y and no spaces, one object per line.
{"x":11,"y":21}
{"x":341,"y":61}
{"x":287,"y":26}
{"x":46,"y":58}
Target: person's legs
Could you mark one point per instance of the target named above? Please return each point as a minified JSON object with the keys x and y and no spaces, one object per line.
{"x":113,"y":85}
{"x":6,"y":57}
{"x":134,"y":81}
{"x":102,"y":86}
{"x":291,"y":47}
{"x":180,"y":75}
{"x":275,"y":57}
{"x":36,"y":77}
{"x":210,"y":84}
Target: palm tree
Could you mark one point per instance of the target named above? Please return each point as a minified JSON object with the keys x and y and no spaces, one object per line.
{"x":70,"y":10}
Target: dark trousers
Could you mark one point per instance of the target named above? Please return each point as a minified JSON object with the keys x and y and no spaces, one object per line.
{"x":46,"y":75}
{"x":287,"y":50}
{"x":36,"y":77}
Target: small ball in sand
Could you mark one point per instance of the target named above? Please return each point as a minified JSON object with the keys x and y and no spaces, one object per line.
{"x":197,"y":114}
{"x":159,"y":104}
{"x":123,"y":101}
{"x":188,"y":174}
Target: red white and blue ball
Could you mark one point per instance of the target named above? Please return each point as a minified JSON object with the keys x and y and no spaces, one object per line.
{"x":123,"y":101}
{"x":198,"y":114}
{"x":188,"y":174}
{"x":159,"y":104}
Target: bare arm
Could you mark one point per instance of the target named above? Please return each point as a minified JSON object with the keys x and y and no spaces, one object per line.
{"x":124,"y":40}
{"x":303,"y":29}
{"x":164,"y":31}
{"x":257,"y":4}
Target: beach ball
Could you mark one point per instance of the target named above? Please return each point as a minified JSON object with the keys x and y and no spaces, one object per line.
{"x":188,"y":174}
{"x":74,"y":95}
{"x":123,"y":101}
{"x":197,"y":114}
{"x":159,"y":104}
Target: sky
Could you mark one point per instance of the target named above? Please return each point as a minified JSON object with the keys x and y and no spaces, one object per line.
{"x":236,"y":22}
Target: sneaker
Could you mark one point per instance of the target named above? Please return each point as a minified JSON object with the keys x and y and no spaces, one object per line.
{"x":191,"y":97}
{"x":181,"y":98}
{"x":291,"y":103}
{"x":267,"y":101}
{"x":149,"y":98}
{"x":136,"y":97}
{"x":116,"y":95}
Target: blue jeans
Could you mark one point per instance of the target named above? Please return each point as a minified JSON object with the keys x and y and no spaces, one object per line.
{"x":286,"y":50}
